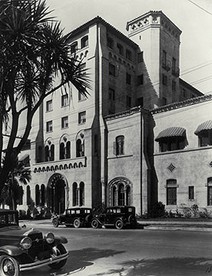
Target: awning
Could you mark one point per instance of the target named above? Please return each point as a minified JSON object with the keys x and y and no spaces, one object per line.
{"x":204,"y":126}
{"x":171,"y":132}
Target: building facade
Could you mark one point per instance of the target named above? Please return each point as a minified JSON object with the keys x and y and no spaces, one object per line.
{"x":89,"y":151}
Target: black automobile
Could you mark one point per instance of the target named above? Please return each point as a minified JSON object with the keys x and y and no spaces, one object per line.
{"x":24,"y":249}
{"x":117,"y":216}
{"x":77,"y":217}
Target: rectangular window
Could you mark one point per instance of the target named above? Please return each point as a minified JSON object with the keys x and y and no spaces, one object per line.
{"x":128,"y":54}
{"x":49,"y":106}
{"x":171,"y":195}
{"x":164,"y":59}
{"x":110,"y":42}
{"x":174,"y":86}
{"x":84,"y":42}
{"x":111,"y":94}
{"x":164,"y":101}
{"x":140,"y":57}
{"x":174,"y":66}
{"x":209,"y":195}
{"x":112,"y":70}
{"x":64,"y":100}
{"x":128,"y":78}
{"x":140,"y":79}
{"x":120,"y":49}
{"x":49,"y":126}
{"x":164,"y":79}
{"x":191,"y":192}
{"x":128,"y":101}
{"x":82,"y":117}
{"x":64,"y":122}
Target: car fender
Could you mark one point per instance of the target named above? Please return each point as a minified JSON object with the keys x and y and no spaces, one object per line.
{"x":59,"y":240}
{"x":11,"y":250}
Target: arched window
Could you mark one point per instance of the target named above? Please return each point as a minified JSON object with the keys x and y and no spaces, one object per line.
{"x":68,"y":149}
{"x":28,"y":199}
{"x":52,"y":153}
{"x":121,"y":200}
{"x":37,"y":195}
{"x":80,"y":148}
{"x":128,"y":196}
{"x":62,"y":151}
{"x":82,"y":194}
{"x":49,"y":151}
{"x":119,"y":145}
{"x":75,"y":194}
{"x":65,"y":148}
{"x":114,"y":196}
{"x":43,"y":191}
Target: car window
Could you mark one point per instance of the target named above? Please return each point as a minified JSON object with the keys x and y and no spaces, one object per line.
{"x":118,"y":210}
{"x":7,"y":219}
{"x":72,"y":212}
{"x":77,"y":211}
{"x":87,"y":211}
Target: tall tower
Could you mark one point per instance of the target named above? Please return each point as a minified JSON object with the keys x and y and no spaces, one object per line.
{"x":159,"y":40}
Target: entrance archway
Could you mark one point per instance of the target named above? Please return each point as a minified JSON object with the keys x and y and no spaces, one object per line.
{"x":56,"y":193}
{"x":120,"y":192}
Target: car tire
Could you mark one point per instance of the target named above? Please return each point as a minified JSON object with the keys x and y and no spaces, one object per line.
{"x":9,"y":266}
{"x":95,"y":224}
{"x":119,"y":224}
{"x":77,"y":223}
{"x":55,"y":222}
{"x":57,"y":251}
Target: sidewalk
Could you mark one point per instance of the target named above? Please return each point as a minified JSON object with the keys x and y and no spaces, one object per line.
{"x":148,"y":224}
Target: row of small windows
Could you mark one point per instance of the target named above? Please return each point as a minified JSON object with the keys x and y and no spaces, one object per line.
{"x":83,"y":44}
{"x":112,"y":72}
{"x":65,"y":101}
{"x":174,"y":138}
{"x":65,"y":123}
{"x":171,"y":192}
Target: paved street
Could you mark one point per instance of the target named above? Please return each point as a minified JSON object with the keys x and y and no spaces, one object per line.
{"x":133,"y":252}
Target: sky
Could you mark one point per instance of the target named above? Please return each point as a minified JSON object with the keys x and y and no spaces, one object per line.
{"x":192,"y":17}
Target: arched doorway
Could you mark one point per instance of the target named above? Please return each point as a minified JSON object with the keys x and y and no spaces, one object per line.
{"x":56,"y":193}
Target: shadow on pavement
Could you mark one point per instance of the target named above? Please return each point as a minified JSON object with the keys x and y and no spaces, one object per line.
{"x":78,"y":260}
{"x":163,"y":267}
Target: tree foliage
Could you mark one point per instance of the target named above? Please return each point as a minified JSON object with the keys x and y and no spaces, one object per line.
{"x":35,"y":61}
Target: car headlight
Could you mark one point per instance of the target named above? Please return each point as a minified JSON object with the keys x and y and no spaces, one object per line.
{"x":49,"y":238}
{"x":26,"y":243}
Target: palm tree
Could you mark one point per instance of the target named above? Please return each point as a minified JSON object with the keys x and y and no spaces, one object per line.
{"x":33,"y":53}
{"x":12,"y":192}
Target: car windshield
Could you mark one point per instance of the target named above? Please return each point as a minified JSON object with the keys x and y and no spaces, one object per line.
{"x":8,"y":220}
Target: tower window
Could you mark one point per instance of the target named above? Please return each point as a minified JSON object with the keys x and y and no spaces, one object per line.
{"x":49,"y":126}
{"x":128,"y":54}
{"x":82,"y":117}
{"x":120,"y":49}
{"x":84,"y":41}
{"x":128,"y":78}
{"x":112,"y":69}
{"x":64,"y":100}
{"x":49,"y":106}
{"x":64,"y":122}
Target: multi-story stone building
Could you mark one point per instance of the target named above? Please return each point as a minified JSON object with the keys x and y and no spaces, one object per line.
{"x":98,"y":149}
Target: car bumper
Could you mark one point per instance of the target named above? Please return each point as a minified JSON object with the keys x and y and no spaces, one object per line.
{"x":48,"y":261}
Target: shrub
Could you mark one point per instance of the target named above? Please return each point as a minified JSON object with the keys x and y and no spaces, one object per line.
{"x":158,"y":210}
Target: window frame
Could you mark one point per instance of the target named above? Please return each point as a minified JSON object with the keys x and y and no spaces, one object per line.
{"x":49,"y":126}
{"x":64,"y":100}
{"x":49,"y":105}
{"x":82,"y":117}
{"x":64,"y":122}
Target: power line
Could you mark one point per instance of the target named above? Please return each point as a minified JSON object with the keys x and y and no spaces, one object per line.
{"x":200,"y":7}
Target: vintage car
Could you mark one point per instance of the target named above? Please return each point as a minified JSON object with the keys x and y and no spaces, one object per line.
{"x":78,"y":217}
{"x":117,"y":216}
{"x":24,"y":249}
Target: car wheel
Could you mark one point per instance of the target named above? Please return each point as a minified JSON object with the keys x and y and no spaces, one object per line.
{"x":119,"y":224}
{"x":9,"y":266}
{"x":55,"y":222}
{"x":95,"y":223}
{"x":57,"y":251}
{"x":77,"y":223}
